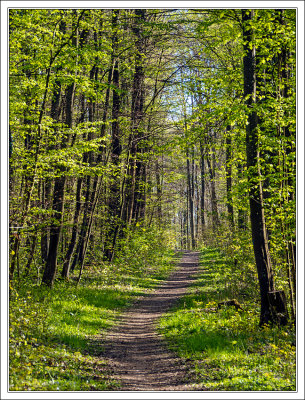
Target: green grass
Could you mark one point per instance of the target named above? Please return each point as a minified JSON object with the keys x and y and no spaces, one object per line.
{"x":52,"y":331}
{"x":226,"y":348}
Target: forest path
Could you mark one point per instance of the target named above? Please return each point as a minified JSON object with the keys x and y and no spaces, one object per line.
{"x":138,"y":356}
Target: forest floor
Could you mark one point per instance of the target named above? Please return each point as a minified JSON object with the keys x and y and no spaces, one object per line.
{"x":138,"y":356}
{"x":124,"y":328}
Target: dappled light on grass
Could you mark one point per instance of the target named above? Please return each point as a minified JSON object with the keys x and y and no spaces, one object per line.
{"x":228,"y":350}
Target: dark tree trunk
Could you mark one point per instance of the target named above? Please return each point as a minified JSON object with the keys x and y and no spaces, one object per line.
{"x":114,"y":200}
{"x":67,"y":259}
{"x":278,"y":304}
{"x":259,"y":233}
{"x":134,"y":182}
{"x":159,"y":193}
{"x":190,"y":200}
{"x":55,"y":232}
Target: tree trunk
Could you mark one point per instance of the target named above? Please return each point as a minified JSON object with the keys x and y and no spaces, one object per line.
{"x":134,"y":182}
{"x":190,"y":200}
{"x":215,"y":217}
{"x":67,"y":259}
{"x":229,"y":176}
{"x":278,"y":304}
{"x":55,"y":232}
{"x":114,"y":200}
{"x":259,"y":233}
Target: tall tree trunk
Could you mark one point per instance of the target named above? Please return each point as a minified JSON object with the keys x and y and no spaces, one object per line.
{"x":202,"y":197}
{"x":258,"y":227}
{"x":134,"y":181}
{"x":159,"y":192}
{"x":190,"y":199}
{"x":114,"y":200}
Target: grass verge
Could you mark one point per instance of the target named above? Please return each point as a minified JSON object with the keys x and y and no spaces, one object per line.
{"x":226,"y":348}
{"x":51,"y":330}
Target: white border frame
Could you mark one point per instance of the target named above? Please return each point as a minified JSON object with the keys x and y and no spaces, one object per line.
{"x":300,"y":196}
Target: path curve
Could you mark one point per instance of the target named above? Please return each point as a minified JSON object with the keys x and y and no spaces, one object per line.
{"x":138,"y":356}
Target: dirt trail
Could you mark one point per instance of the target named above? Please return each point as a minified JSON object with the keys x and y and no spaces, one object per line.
{"x":138,"y":356}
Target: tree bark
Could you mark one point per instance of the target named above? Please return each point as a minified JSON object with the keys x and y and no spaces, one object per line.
{"x":135,"y":184}
{"x":190,"y":200}
{"x":258,"y":227}
{"x":215,"y":217}
{"x":114,"y":200}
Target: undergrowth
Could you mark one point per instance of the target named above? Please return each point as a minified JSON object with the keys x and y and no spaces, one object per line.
{"x":52,"y":331}
{"x":227,"y":349}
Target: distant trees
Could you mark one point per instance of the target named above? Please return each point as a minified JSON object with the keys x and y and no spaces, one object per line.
{"x":237,"y":136}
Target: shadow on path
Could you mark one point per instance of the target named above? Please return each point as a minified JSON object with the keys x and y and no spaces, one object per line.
{"x":138,"y":356}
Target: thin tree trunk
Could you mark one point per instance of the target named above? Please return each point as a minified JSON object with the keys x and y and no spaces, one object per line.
{"x":190,"y":200}
{"x":94,"y":199}
{"x":229,"y":176}
{"x":67,"y":260}
{"x":215,"y":217}
{"x":202,"y":209}
{"x":114,"y":201}
{"x":159,"y":193}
